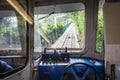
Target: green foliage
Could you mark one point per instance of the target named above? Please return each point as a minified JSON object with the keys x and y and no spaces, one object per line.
{"x":12,"y":30}
{"x":54,"y":30}
{"x":53,"y":26}
{"x":99,"y":31}
{"x":3,"y":26}
{"x":53,"y":33}
{"x":3,"y":30}
{"x":6,"y":26}
{"x":79,"y":20}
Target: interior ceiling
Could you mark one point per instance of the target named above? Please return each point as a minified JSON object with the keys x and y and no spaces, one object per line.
{"x":59,"y":8}
{"x":48,"y":6}
{"x":52,"y":2}
{"x":7,"y":10}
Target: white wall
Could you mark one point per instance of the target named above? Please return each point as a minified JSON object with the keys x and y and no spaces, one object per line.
{"x":112,"y":32}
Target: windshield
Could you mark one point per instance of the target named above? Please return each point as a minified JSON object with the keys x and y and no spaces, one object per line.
{"x":60,"y":31}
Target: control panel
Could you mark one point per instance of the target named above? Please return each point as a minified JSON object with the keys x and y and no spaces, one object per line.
{"x":55,"y":58}
{"x":51,"y":71}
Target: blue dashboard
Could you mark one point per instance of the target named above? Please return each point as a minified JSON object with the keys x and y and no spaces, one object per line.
{"x":56,"y":66}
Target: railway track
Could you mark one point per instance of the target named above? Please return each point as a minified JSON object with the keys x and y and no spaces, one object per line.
{"x":68,"y":39}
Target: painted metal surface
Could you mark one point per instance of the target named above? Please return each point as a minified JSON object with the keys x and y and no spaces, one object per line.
{"x":55,"y":71}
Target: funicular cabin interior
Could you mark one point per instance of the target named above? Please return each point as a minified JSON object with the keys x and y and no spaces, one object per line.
{"x":59,"y":39}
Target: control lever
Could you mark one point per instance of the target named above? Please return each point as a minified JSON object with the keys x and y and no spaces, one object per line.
{"x":44,"y":50}
{"x":66,"y":49}
{"x":55,"y":52}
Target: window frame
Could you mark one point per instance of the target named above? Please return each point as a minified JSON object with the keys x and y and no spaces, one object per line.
{"x":28,"y":26}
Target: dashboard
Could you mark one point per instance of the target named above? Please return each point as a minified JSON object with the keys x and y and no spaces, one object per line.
{"x":58,"y":67}
{"x":50,"y":58}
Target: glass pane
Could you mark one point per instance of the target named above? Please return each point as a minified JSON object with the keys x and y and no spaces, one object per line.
{"x":99,"y":40}
{"x":12,"y":35}
{"x":60,"y":30}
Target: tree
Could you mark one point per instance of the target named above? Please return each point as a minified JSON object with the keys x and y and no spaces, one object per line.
{"x":99,"y":31}
{"x":79,"y":19}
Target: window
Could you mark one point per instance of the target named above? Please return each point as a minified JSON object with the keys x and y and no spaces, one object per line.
{"x":99,"y":40}
{"x":13,"y":29}
{"x":59,"y":30}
